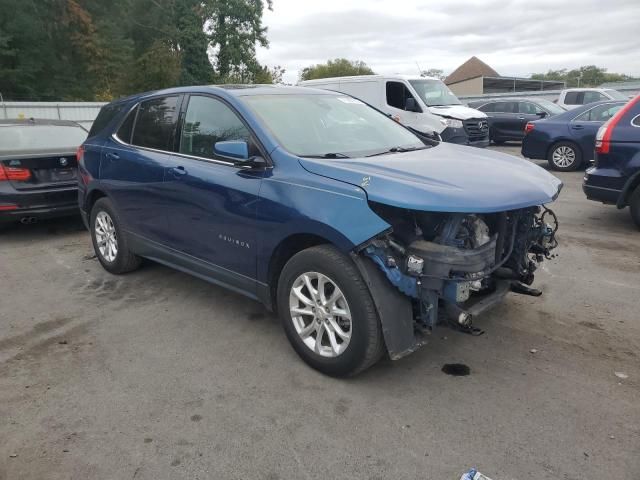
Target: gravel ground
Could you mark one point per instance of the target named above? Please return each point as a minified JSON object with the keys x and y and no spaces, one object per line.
{"x":158,"y":375}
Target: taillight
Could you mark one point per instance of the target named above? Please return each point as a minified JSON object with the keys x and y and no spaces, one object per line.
{"x":601,"y":145}
{"x":603,"y":137}
{"x":16,"y":174}
{"x":528,"y":127}
{"x":79,"y":153}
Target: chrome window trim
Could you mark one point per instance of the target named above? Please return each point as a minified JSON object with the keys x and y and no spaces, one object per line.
{"x":595,"y":106}
{"x":634,"y":120}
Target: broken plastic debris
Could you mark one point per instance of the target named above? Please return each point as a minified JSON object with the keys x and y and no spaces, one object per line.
{"x":621,"y":375}
{"x":474,"y":474}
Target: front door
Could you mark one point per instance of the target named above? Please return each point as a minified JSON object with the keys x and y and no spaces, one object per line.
{"x":212,"y":202}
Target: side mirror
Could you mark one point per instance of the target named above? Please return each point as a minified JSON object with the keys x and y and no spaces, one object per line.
{"x":542,"y":114}
{"x":233,"y":149}
{"x":410,"y":105}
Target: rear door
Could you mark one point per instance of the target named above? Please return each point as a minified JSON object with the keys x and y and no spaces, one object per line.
{"x":584,"y":127}
{"x":133,"y":164}
{"x":527,"y":112}
{"x":505,"y":123}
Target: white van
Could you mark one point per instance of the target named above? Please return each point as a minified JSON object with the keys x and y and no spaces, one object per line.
{"x":424,"y":104}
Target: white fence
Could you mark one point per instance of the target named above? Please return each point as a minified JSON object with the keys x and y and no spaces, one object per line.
{"x":546,"y":94}
{"x":82,"y":112}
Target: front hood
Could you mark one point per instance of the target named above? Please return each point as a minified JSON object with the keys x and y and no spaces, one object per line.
{"x":444,"y":178}
{"x":457,"y":111}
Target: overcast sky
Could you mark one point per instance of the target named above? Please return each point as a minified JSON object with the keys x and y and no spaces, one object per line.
{"x":516,"y":37}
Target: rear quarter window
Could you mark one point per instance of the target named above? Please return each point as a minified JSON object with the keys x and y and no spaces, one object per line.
{"x":156,"y":123}
{"x":107,"y":113}
{"x":635,"y":121}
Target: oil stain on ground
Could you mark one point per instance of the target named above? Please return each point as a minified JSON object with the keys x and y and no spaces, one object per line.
{"x":456,"y":369}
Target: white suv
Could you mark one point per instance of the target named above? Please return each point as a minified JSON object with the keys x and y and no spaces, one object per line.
{"x":574,"y":97}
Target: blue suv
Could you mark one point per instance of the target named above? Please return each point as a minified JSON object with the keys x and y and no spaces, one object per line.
{"x":356,"y":231}
{"x":615,"y":176}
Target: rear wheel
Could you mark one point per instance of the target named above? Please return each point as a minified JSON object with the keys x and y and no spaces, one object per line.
{"x":564,"y":156}
{"x":108,"y":240}
{"x":328,"y":313}
{"x":634,"y":206}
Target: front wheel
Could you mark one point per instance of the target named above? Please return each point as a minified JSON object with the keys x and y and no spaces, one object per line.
{"x":328,"y":313}
{"x":565,"y":157}
{"x":634,"y":206}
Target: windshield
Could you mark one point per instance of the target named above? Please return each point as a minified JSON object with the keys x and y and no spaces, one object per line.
{"x":434,"y":93}
{"x":40,"y":137}
{"x":550,"y":107}
{"x":616,"y":95}
{"x":330,"y":125}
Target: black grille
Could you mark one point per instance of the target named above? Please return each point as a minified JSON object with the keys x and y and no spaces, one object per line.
{"x":477,"y":129}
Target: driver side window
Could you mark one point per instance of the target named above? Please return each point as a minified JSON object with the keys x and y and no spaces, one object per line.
{"x":209,"y":121}
{"x":397,"y":95}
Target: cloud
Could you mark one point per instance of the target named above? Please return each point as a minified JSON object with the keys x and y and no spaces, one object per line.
{"x":516,"y":37}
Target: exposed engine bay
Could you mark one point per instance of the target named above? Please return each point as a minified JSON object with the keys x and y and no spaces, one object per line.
{"x":453,"y":266}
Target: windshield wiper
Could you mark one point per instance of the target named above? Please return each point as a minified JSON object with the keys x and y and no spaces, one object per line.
{"x":327,"y":155}
{"x":397,"y":150}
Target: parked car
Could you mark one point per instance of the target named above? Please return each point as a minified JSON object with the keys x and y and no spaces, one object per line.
{"x":423,"y":104}
{"x":615,"y":176}
{"x":319,"y":206}
{"x":508,"y":116}
{"x":567,"y":140}
{"x":38,"y":169}
{"x":574,"y":97}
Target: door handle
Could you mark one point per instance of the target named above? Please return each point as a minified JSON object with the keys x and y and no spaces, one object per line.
{"x":521,"y":118}
{"x":577,"y":127}
{"x":178,"y":171}
{"x":112,"y":156}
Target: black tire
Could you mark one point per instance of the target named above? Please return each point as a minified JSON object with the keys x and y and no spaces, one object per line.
{"x":366,"y":345}
{"x":571,"y":149}
{"x":124,"y":261}
{"x":634,"y":206}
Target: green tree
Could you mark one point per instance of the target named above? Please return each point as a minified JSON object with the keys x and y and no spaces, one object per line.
{"x":434,"y":72}
{"x":234,"y":29}
{"x":340,"y":67}
{"x":585,"y":76}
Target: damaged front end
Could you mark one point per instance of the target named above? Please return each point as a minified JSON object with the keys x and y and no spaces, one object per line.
{"x":450,"y":267}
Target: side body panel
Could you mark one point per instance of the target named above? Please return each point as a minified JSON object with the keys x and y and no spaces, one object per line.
{"x":294,"y":201}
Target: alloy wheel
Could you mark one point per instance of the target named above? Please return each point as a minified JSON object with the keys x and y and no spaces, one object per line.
{"x":320,"y":314}
{"x":564,"y":156}
{"x":106,"y":237}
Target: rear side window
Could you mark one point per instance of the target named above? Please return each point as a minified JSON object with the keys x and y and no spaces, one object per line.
{"x":529,"y":108}
{"x":574,"y":98}
{"x":209,"y":121}
{"x":601,"y":113}
{"x":107,"y":113}
{"x":635,"y":121}
{"x":489,"y":107}
{"x":397,"y":95}
{"x":506,"y":107}
{"x":126,"y":129}
{"x":590,"y":97}
{"x":156,"y":123}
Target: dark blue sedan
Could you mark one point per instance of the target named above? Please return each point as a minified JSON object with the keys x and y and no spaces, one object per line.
{"x":567,"y":140}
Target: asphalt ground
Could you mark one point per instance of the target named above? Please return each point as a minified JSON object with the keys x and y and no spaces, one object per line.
{"x":157,"y":374}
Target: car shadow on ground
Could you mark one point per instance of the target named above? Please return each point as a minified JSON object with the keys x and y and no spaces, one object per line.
{"x":43,"y":228}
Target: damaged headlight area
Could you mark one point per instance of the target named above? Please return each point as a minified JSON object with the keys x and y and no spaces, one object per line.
{"x":453,"y":266}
